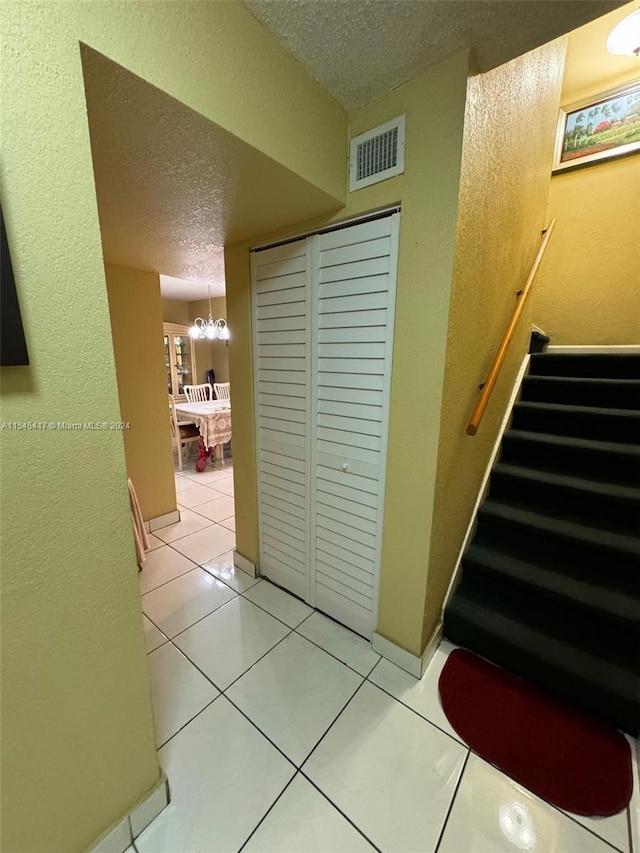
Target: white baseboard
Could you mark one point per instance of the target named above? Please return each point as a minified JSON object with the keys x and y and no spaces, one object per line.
{"x":162,"y":521}
{"x":244,"y":564}
{"x":119,"y":837}
{"x":485,"y":480}
{"x":412,"y":664}
{"x":622,"y":349}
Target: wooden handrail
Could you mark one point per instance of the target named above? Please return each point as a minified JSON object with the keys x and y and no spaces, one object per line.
{"x":498,"y":361}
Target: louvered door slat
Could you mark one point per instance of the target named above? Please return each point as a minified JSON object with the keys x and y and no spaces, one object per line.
{"x":283,"y":340}
{"x":352,"y":363}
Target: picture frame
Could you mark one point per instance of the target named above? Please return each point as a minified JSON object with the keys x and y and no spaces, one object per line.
{"x":602,"y":127}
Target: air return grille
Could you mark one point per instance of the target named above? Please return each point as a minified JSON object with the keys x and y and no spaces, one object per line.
{"x":377,"y":154}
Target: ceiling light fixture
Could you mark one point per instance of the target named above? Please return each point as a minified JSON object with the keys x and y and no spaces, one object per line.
{"x":624,"y":38}
{"x":209,"y":330}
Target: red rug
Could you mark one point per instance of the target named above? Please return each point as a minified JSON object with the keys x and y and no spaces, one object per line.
{"x":558,"y":752}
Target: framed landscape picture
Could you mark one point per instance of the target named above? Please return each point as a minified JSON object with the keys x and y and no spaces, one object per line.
{"x":605,"y":126}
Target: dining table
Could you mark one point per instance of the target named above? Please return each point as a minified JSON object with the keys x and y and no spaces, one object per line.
{"x":213,"y":419}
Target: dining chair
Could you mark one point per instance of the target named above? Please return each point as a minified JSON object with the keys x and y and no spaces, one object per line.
{"x":181,"y":433}
{"x":198,"y":393}
{"x":222,"y":390}
{"x":182,"y":418}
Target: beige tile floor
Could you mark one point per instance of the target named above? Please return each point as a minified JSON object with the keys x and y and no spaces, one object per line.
{"x":282,"y":731}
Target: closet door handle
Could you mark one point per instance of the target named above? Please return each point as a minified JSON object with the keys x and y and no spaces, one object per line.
{"x":345,"y":466}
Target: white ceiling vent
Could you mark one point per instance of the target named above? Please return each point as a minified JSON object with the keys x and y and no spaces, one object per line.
{"x":377,"y":154}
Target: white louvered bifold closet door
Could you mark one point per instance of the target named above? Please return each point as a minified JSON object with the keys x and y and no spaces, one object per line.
{"x":323,"y":317}
{"x":354,"y":300}
{"x":282,"y":319}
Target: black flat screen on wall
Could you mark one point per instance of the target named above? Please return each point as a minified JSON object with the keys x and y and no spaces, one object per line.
{"x":13,"y":347}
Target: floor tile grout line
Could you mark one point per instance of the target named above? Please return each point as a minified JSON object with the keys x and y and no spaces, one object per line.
{"x":243,"y":595}
{"x":226,"y":583}
{"x":257,"y":727}
{"x":194,"y":509}
{"x":339,"y":810}
{"x":209,"y":559}
{"x":216,"y":496}
{"x":266,"y":814}
{"x":281,"y":640}
{"x":566,"y":814}
{"x":211,"y":524}
{"x":215,"y":610}
{"x":260,"y":732}
{"x":326,"y":651}
{"x":453,"y":799}
{"x":178,"y":538}
{"x":209,"y":485}
{"x":184,"y":726}
{"x":413,"y":710}
{"x":341,"y":712}
{"x":142,"y":594}
{"x":224,"y":693}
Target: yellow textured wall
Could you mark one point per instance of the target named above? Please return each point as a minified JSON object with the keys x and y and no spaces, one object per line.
{"x":78,"y":743}
{"x":587,"y":291}
{"x":240,"y":352}
{"x":428,"y":191}
{"x":508,"y":147}
{"x":175,"y":311}
{"x":142,"y":388}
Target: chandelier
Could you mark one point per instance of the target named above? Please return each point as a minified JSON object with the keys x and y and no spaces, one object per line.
{"x":210,"y":329}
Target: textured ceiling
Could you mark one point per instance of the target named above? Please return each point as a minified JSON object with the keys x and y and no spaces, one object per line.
{"x":173,"y":187}
{"x":360,"y":49}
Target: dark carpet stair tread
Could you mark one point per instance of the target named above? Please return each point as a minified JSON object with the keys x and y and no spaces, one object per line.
{"x":592,"y":365}
{"x":591,"y":594}
{"x":562,"y":529}
{"x":592,"y":665}
{"x":573,"y":498}
{"x":594,"y":422}
{"x":609,"y":459}
{"x":571,"y":557}
{"x":609,"y":393}
{"x":598,"y":488}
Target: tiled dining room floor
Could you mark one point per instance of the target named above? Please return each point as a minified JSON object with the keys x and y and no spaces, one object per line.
{"x":281,"y":731}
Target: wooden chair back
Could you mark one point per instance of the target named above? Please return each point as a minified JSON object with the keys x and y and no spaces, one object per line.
{"x":198,"y":393}
{"x":222,"y":390}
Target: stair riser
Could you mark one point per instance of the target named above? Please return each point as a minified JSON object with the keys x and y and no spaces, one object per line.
{"x":599,"y":427}
{"x":593,"y":600}
{"x":568,"y":557}
{"x":609,"y":396}
{"x":613,"y":467}
{"x":616,"y":513}
{"x":525,"y":663}
{"x":604,"y":551}
{"x":587,"y":366}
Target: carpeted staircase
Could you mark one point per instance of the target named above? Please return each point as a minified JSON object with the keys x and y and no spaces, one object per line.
{"x":550,"y":584}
